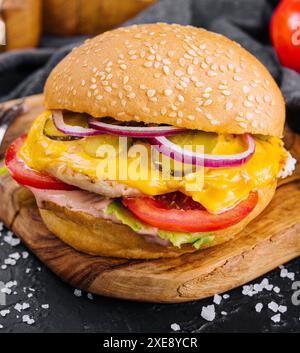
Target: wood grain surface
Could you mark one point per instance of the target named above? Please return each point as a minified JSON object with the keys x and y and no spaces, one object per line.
{"x":270,"y":240}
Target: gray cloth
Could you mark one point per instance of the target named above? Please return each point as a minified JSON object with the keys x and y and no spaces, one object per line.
{"x":23,"y":73}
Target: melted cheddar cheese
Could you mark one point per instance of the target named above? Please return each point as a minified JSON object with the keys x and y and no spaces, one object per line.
{"x":221,"y":188}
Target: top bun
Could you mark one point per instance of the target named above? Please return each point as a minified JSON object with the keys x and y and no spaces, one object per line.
{"x":170,"y":74}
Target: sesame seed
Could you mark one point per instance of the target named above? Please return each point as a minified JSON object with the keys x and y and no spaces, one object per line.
{"x":178,"y":73}
{"x":208,"y":89}
{"x":83,"y":83}
{"x":99,"y":97}
{"x":125,"y":80}
{"x":228,"y":105}
{"x":180,"y":98}
{"x":191,"y":117}
{"x":248,"y":104}
{"x":93,"y":86}
{"x":93,"y":80}
{"x":142,"y":86}
{"x":148,"y":64}
{"x":208,"y":60}
{"x":168,"y":92}
{"x":211,"y":73}
{"x":131,"y":95}
{"x":249,"y":115}
{"x":172,"y":115}
{"x":250,"y":97}
{"x":123,"y":66}
{"x":192,"y":52}
{"x":163,"y":111}
{"x":237,"y":78}
{"x":267,"y":98}
{"x":108,"y":89}
{"x":190,"y":70}
{"x":151,"y":93}
{"x":203,"y":65}
{"x":181,"y":62}
{"x":243,"y":125}
{"x":208,"y":102}
{"x":157,"y":75}
{"x":226,"y":93}
{"x":89,"y":94}
{"x":246,"y":89}
{"x":205,"y":95}
{"x":128,"y":88}
{"x":166,"y":70}
{"x":179,"y":121}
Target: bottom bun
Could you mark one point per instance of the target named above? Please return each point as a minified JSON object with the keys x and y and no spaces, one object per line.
{"x":99,"y":237}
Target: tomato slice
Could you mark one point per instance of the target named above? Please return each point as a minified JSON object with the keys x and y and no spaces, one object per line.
{"x":27,"y":176}
{"x":177,"y":212}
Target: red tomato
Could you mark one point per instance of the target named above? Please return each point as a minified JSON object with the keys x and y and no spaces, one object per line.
{"x":27,"y":176}
{"x":178,"y":212}
{"x":285,"y":33}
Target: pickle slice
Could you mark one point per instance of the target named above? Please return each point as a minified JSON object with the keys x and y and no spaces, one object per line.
{"x":71,"y":119}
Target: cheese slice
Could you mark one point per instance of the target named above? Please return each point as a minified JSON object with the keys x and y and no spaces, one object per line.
{"x":218,"y":189}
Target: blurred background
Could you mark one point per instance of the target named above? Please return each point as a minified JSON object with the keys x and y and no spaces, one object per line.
{"x":39,"y":33}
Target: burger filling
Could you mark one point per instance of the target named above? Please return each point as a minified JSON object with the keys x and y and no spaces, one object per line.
{"x":186,"y":208}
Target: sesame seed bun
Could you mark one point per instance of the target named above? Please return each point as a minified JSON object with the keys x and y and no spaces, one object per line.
{"x":100,"y":237}
{"x":170,"y":74}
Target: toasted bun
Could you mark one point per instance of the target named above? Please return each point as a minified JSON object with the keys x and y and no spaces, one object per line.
{"x":171,"y":74}
{"x":99,"y":237}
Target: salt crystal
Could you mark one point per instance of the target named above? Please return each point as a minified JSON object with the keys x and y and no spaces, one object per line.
{"x":18,"y":307}
{"x":226,"y":296}
{"x":175,"y":327}
{"x":282,"y":308}
{"x":15,"y":256}
{"x":90,"y":296}
{"x":77,"y":292}
{"x":4,"y":312}
{"x":276,"y":318}
{"x":217,"y":299}
{"x":27,"y":320}
{"x":45,"y":306}
{"x":276,"y":289}
{"x":258,"y":307}
{"x":283,"y":272}
{"x":208,"y":312}
{"x":273,"y":306}
{"x":25,"y":254}
{"x":9,"y":239}
{"x":224,"y":313}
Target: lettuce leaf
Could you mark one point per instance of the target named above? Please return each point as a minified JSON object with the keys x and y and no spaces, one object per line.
{"x":178,"y":239}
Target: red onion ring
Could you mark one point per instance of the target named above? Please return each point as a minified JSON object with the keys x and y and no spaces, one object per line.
{"x":170,"y":149}
{"x":71,"y":130}
{"x":134,"y":131}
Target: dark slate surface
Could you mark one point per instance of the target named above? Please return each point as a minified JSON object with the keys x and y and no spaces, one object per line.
{"x":69,"y":313}
{"x":245,"y":21}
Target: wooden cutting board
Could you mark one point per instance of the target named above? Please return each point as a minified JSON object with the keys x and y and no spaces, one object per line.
{"x":269,"y":241}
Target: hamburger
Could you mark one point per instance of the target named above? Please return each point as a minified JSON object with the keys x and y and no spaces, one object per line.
{"x":189,"y":99}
